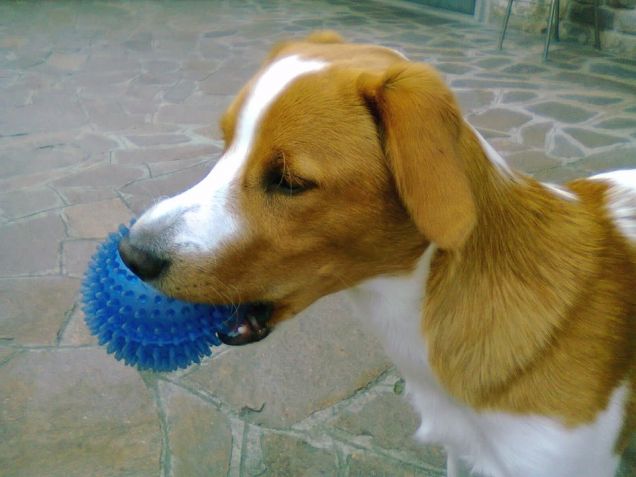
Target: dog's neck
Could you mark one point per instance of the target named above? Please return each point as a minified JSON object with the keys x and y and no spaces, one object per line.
{"x":495,"y":305}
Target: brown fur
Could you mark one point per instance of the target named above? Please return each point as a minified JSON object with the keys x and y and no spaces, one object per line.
{"x":352,"y":226}
{"x":534,"y":314}
{"x":530,"y":303}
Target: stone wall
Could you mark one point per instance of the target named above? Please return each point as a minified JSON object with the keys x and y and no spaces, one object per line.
{"x":617,"y":20}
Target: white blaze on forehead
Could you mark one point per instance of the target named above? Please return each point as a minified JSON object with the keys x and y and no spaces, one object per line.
{"x":267,"y":88}
{"x":202,"y":216}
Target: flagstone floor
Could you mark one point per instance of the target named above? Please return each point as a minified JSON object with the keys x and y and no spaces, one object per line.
{"x":105,"y":107}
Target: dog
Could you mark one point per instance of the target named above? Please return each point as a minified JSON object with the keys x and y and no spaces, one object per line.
{"x":508,"y":305}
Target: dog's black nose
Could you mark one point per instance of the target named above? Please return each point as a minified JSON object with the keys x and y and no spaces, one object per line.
{"x":143,"y":263}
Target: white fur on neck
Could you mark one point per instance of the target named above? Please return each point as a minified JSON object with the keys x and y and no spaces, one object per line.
{"x":560,"y":192}
{"x":392,"y":307}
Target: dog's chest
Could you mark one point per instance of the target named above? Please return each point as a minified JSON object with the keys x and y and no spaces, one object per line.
{"x":391,"y":307}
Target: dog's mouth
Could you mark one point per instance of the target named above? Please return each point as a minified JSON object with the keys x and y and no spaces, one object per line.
{"x":247,"y":325}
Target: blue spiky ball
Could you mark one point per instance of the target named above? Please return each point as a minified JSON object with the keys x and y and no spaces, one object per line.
{"x":139,"y":325}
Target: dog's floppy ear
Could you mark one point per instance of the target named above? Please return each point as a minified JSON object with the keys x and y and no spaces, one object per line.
{"x":420,"y":126}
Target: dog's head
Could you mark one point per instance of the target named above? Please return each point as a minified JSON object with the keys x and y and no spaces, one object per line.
{"x":340,"y":164}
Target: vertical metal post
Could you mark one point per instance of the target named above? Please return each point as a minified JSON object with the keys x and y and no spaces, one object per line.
{"x":558,"y":20}
{"x":597,"y":36}
{"x":505,"y":24}
{"x":548,"y":35}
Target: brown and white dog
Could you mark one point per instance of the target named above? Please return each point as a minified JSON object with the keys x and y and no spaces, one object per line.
{"x":508,"y":305}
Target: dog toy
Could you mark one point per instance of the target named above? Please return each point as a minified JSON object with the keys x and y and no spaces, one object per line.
{"x":141,"y":326}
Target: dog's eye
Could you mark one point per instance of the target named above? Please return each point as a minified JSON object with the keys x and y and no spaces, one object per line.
{"x":279,"y":182}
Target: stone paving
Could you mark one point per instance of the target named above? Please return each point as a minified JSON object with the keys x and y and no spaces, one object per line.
{"x":105,"y":107}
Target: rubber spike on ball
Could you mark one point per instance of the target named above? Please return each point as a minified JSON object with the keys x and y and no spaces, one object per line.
{"x":139,"y":325}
